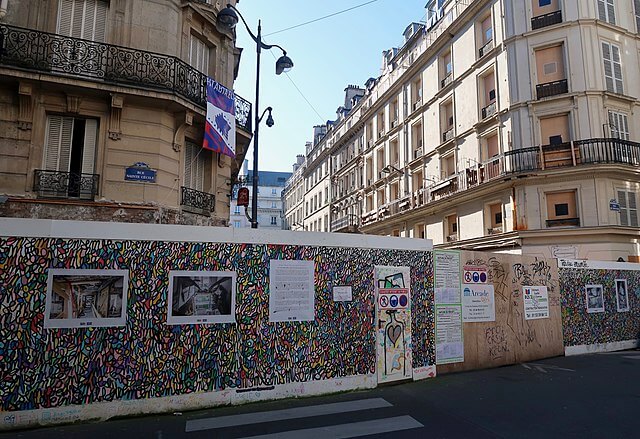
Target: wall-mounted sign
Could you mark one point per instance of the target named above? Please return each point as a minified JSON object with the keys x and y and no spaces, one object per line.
{"x":243,"y":196}
{"x":140,"y":172}
{"x":614,"y":205}
{"x":475,"y":275}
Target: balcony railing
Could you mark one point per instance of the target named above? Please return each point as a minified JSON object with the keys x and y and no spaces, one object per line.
{"x":552,"y":88}
{"x":489,"y":110}
{"x":446,"y":80}
{"x":564,"y":222}
{"x":60,"y":55}
{"x":447,"y":135}
{"x":197,"y":201}
{"x":494,"y":230}
{"x":344,"y":222}
{"x":68,"y":185}
{"x":546,"y":20}
{"x":527,"y":160}
{"x":488,"y":47}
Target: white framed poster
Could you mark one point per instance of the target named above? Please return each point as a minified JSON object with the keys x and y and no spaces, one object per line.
{"x":449,"y":336}
{"x":536,"y":302}
{"x":595,"y":298}
{"x":291,"y":291}
{"x":201,"y":297}
{"x":622,"y":295}
{"x":478,"y":303}
{"x":447,"y":277}
{"x":342,"y":294}
{"x":86,"y":298}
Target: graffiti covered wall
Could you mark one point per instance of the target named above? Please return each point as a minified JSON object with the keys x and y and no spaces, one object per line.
{"x":68,"y":369}
{"x":600,"y":305}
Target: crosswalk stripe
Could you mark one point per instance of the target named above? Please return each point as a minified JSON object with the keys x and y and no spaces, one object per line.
{"x":280,"y":415}
{"x":344,"y":431}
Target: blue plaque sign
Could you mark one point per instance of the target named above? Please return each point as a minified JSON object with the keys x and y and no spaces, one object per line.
{"x":140,"y":172}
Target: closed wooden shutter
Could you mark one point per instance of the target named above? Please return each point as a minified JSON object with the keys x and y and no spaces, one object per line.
{"x":85,"y":19}
{"x":199,"y":55}
{"x":57,"y":151}
{"x":194,"y":166}
{"x":628,"y":208}
{"x":89,"y":147}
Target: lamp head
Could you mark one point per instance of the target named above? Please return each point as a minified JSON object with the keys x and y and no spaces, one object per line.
{"x":270,"y":121}
{"x":284,"y":64}
{"x":227,"y":18}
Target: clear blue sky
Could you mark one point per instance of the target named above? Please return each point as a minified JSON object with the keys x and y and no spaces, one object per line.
{"x":328,"y":55}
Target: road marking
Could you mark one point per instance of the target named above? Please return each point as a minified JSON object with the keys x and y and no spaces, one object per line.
{"x":280,"y":415}
{"x":632,"y":357}
{"x":344,"y":431}
{"x":544,"y":367}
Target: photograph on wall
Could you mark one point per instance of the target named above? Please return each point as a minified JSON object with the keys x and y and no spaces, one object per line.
{"x":86,"y":298}
{"x":201,"y":297}
{"x":595,"y":298}
{"x":622,"y":295}
{"x":291,"y":291}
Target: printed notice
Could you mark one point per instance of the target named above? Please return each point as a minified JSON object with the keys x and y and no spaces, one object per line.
{"x":478,"y":303}
{"x":291,"y":291}
{"x":342,"y":294}
{"x":447,"y":277}
{"x":449,"y":342}
{"x":536,"y":303}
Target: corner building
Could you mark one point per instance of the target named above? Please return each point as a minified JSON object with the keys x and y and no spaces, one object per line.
{"x":508,"y":126}
{"x":89,"y":88}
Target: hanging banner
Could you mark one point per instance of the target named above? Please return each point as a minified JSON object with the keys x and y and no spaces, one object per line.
{"x":220,"y":127}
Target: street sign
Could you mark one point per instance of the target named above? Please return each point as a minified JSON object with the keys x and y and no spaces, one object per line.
{"x":140,"y":172}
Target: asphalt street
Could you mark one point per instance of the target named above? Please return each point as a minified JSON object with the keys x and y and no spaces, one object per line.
{"x":589,"y":396}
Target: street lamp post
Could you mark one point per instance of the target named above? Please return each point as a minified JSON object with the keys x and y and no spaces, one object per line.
{"x":227,"y":19}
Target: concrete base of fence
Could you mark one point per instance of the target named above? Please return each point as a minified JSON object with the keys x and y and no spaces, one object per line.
{"x":106,"y":410}
{"x":601,"y":347}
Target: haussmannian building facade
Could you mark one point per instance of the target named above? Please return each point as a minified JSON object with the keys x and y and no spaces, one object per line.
{"x":89,"y":88}
{"x":507,"y":126}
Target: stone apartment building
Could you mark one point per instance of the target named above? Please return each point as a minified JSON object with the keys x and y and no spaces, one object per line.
{"x":102,"y":111}
{"x":508,"y":126}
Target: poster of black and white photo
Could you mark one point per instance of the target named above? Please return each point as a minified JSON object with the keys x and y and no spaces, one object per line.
{"x":622,"y":295}
{"x":197,"y":297}
{"x":595,"y":299}
{"x":86,"y":298}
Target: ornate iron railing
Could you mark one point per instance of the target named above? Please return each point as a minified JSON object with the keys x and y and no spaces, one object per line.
{"x":56,"y":184}
{"x":552,"y":88}
{"x":60,"y":55}
{"x":485,"y":49}
{"x":202,"y":202}
{"x":546,"y":20}
{"x":563,"y":222}
{"x":344,"y":222}
{"x":489,"y":110}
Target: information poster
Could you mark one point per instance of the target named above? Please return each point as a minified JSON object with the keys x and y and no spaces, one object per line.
{"x":478,"y":303}
{"x":536,"y":303}
{"x":449,"y":329}
{"x":342,"y":294}
{"x":291,"y":291}
{"x":449,"y":342}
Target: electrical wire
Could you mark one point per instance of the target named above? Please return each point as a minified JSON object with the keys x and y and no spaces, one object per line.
{"x":322,"y":18}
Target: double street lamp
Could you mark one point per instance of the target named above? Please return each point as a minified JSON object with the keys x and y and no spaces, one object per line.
{"x":227,"y":20}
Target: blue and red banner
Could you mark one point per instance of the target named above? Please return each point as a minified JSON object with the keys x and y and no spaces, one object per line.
{"x":220,"y":128}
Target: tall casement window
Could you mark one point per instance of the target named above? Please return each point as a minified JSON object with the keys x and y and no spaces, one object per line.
{"x":195,"y":164}
{"x":70,"y":144}
{"x":607,"y":11}
{"x":618,"y":125}
{"x":84,"y":19}
{"x":636,"y":8}
{"x":199,"y":55}
{"x":612,"y":67}
{"x":628,"y":208}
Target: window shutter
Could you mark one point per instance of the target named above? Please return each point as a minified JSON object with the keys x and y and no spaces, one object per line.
{"x":83,"y":19}
{"x":617,"y":68}
{"x":622,"y":201}
{"x":58,"y":147}
{"x":633,"y":209}
{"x":65,"y":13}
{"x":89,"y":147}
{"x":608,"y":67}
{"x":198,"y":183}
{"x":188,"y":159}
{"x":636,"y":7}
{"x":100,"y":22}
{"x":611,"y":12}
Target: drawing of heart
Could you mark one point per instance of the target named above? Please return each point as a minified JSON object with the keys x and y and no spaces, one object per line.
{"x":394,"y":332}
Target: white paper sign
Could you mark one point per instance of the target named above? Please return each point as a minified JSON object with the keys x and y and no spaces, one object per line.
{"x":342,"y":294}
{"x":291,"y":291}
{"x":536,"y":302}
{"x":478,"y":303}
{"x":449,"y":341}
{"x":447,"y":277}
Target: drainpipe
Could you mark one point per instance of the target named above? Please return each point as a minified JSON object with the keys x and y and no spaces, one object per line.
{"x":514,"y":210}
{"x":3,"y":8}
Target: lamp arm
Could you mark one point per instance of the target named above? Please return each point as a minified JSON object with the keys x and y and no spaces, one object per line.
{"x":253,"y":36}
{"x":269,"y":109}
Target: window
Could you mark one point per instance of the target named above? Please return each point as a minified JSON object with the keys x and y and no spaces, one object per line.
{"x":274,"y":220}
{"x":448,"y":165}
{"x":236,"y":224}
{"x":636,"y":7}
{"x":561,"y":209}
{"x":199,"y":55}
{"x":446,"y":69}
{"x":618,"y":125}
{"x":84,"y":19}
{"x":70,"y":146}
{"x":555,"y":130}
{"x":274,"y":191}
{"x":628,"y":208}
{"x":607,"y":11}
{"x":612,"y":67}
{"x":236,"y":210}
{"x":495,"y":219}
{"x":451,"y":228}
{"x":274,"y":205}
{"x":195,"y":161}
{"x":550,"y":64}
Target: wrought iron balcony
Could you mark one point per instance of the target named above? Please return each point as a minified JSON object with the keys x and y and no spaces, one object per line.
{"x":60,"y":55}
{"x":488,"y":47}
{"x":494,"y":230}
{"x":446,"y":80}
{"x":552,"y":88}
{"x":489,"y":110}
{"x":564,"y":222}
{"x":346,"y":222}
{"x":447,"y":135}
{"x":197,"y":201}
{"x":67,"y":185}
{"x":546,"y":20}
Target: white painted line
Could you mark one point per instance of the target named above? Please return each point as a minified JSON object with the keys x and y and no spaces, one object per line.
{"x":344,"y":431}
{"x":280,"y":415}
{"x":632,"y":357}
